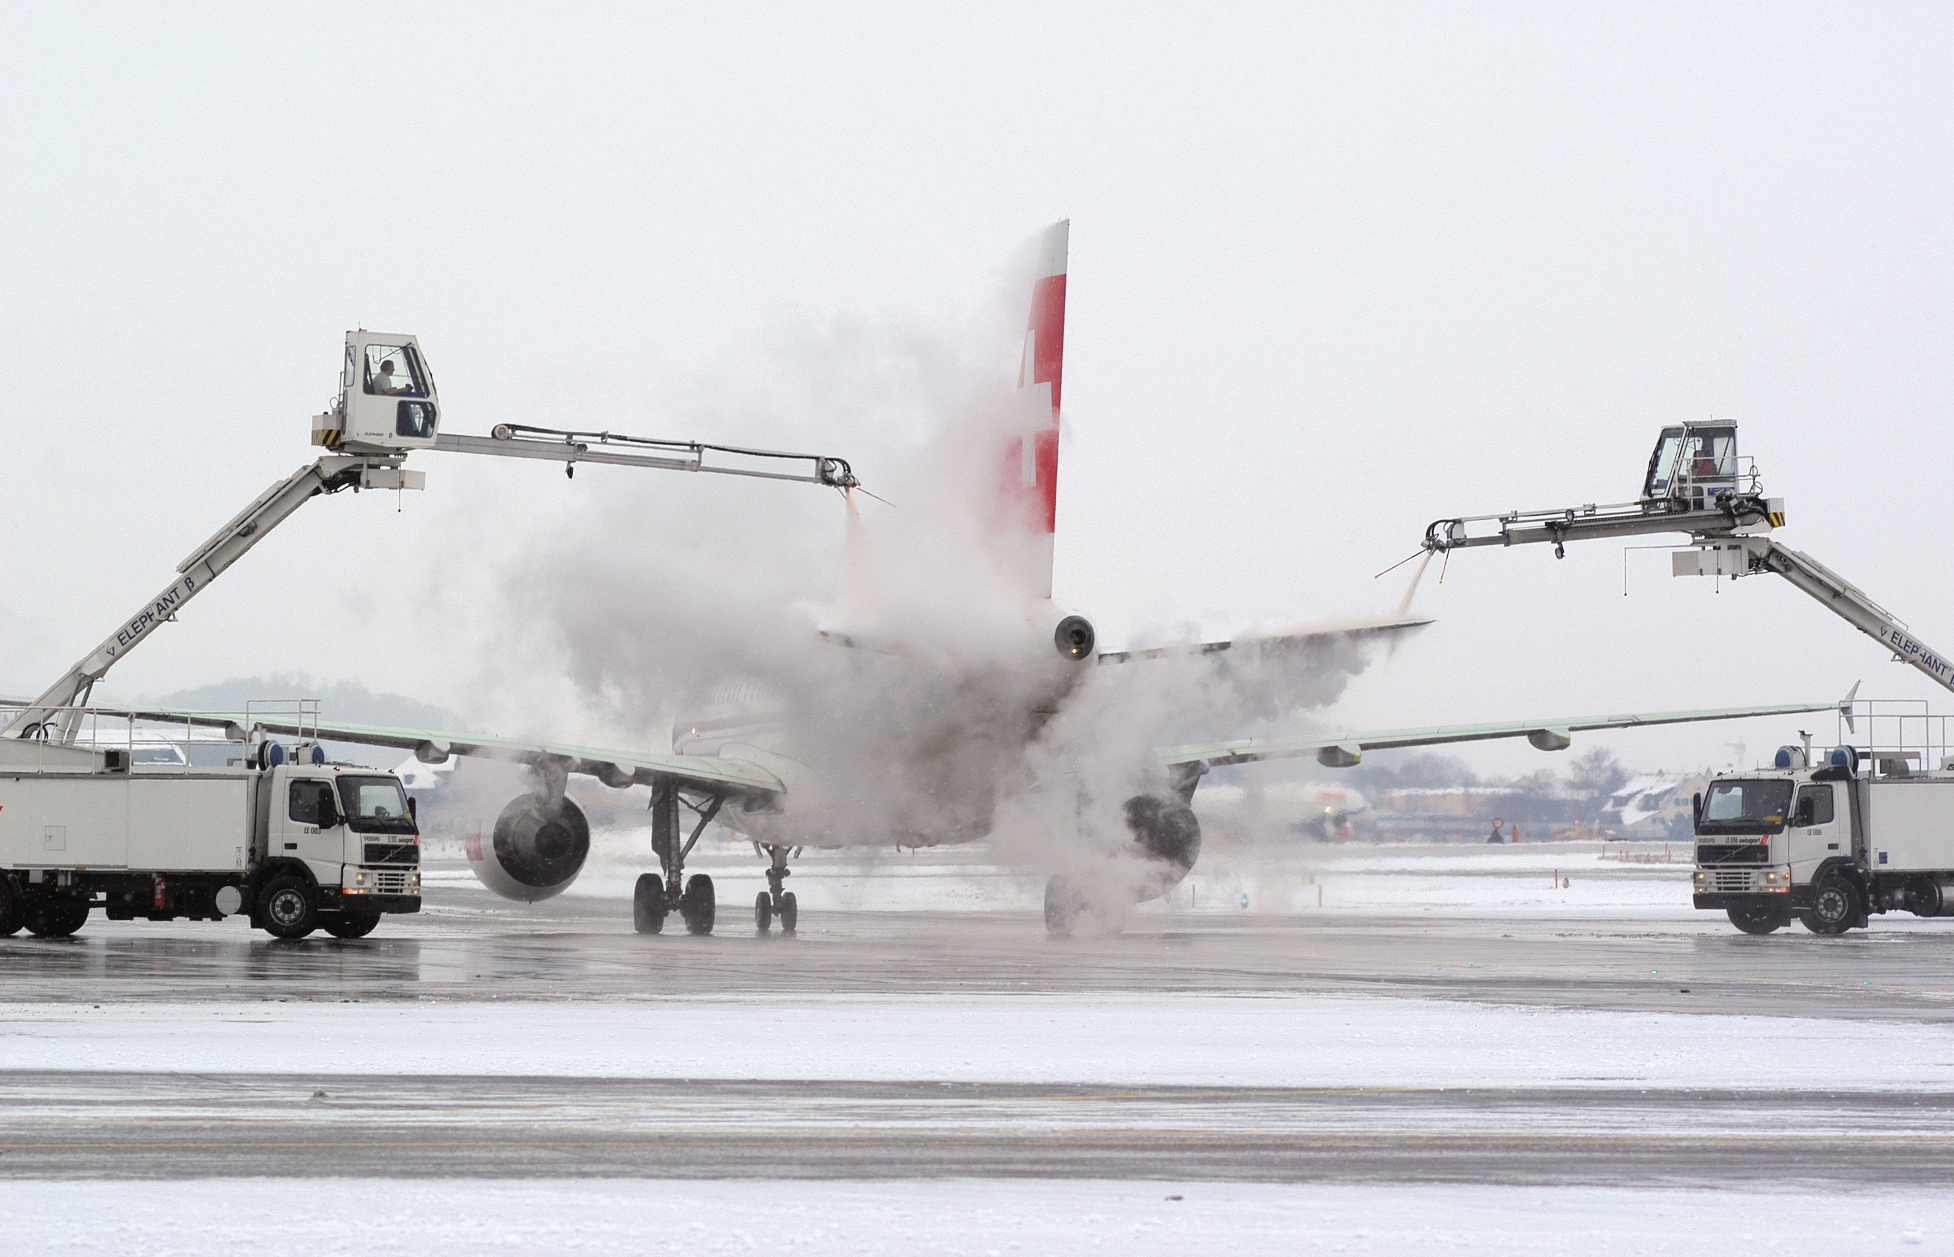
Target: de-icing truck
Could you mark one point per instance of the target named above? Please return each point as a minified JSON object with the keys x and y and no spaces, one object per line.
{"x":293,"y":842}
{"x":1830,"y":842}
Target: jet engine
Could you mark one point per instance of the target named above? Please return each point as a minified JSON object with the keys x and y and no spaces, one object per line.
{"x":1168,"y":840}
{"x":1168,"y":833}
{"x":1074,"y":637}
{"x":539,"y":848}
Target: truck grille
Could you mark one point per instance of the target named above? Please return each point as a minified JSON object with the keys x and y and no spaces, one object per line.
{"x":1733,"y":881}
{"x":391,"y":881}
{"x":1709,"y":854}
{"x":392,"y":853}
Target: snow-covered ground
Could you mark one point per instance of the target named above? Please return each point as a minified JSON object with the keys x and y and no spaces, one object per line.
{"x":440,"y":1217}
{"x":1222,"y":1038}
{"x":1199,"y":1040}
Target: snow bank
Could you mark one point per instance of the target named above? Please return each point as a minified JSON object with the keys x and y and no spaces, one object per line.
{"x":438,"y":1217}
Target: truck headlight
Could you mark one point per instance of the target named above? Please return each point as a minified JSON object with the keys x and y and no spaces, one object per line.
{"x":1701,"y":879}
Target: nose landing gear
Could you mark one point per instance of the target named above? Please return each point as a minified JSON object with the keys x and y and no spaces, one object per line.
{"x":774,"y":902}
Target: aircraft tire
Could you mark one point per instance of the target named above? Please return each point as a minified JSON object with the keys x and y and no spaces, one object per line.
{"x":763,"y":913}
{"x":648,"y":906}
{"x":1063,"y":904}
{"x":790,"y":913}
{"x":696,"y":905}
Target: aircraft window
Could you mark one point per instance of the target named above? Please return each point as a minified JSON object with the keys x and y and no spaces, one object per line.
{"x":395,"y":371}
{"x":1745,"y":807}
{"x":305,"y":799}
{"x":1820,"y":798}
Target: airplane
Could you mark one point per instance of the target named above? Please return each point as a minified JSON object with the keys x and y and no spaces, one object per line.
{"x":1312,"y":810}
{"x":993,"y":715}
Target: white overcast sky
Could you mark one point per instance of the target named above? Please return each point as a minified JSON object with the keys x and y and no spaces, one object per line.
{"x":1336,"y":270}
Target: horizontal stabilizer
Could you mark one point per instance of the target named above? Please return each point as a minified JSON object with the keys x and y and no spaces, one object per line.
{"x":1271,"y":646}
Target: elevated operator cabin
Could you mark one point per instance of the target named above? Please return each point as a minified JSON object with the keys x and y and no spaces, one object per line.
{"x":1693,"y":465}
{"x":387,"y":402}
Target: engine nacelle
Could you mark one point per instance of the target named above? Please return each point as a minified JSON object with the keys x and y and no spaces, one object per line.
{"x":1074,"y":637}
{"x":1169,"y":835}
{"x":539,"y":847}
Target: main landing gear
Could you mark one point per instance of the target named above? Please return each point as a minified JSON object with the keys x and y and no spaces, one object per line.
{"x":773,"y":901}
{"x":656,"y":896}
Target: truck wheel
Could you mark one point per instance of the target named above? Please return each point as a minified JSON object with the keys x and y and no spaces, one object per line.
{"x":56,"y":916}
{"x":349,"y":925}
{"x":648,"y":904}
{"x":13,"y":913}
{"x":697,"y":905}
{"x":1835,"y":906}
{"x":291,"y":908}
{"x":1759,"y":918}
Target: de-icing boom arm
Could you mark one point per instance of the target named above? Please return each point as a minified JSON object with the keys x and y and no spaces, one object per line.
{"x":1696,"y":485}
{"x":388,"y":407}
{"x":53,"y":716}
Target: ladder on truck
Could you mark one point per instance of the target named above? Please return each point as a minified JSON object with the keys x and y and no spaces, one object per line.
{"x":1696,"y":484}
{"x":386,"y":408}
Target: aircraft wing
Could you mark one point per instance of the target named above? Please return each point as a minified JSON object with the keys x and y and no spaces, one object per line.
{"x":614,"y":767}
{"x":1340,"y":750}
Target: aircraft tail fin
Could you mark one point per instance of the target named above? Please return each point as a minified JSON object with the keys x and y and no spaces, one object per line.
{"x":1029,"y":488}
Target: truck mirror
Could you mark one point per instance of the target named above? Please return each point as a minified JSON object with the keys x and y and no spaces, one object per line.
{"x":1696,"y":806}
{"x":1804,"y":814}
{"x":328,"y":814}
{"x":413,"y":812}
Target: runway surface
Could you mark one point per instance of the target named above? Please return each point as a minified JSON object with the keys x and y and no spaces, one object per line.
{"x":1626,"y":1041}
{"x":176,"y":1126}
{"x":467,"y":945}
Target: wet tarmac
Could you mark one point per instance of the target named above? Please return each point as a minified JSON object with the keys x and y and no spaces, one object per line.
{"x":468,"y":945}
{"x":126,"y":1126}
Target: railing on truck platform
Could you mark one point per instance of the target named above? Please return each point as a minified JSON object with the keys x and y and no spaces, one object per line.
{"x":1894,"y":737}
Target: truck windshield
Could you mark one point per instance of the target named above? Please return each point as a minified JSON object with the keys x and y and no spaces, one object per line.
{"x":1745,"y":807}
{"x":375,"y":805}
